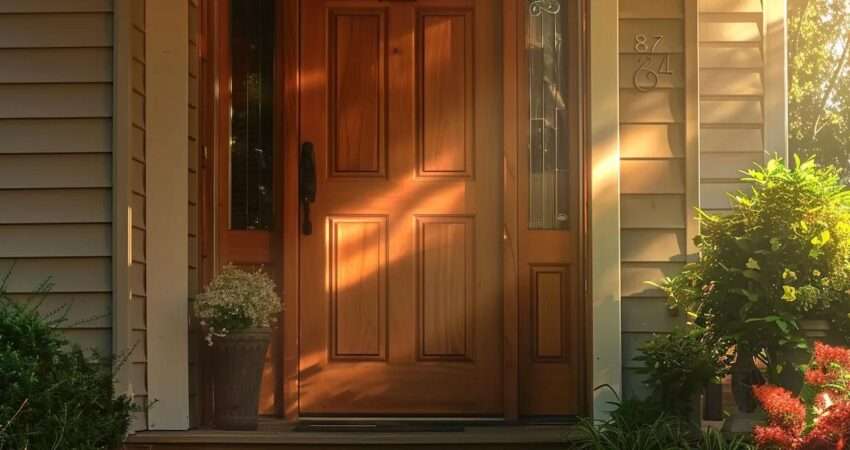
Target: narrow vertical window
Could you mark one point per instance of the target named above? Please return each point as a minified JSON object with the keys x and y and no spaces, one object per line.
{"x":252,"y":43}
{"x":548,"y":140}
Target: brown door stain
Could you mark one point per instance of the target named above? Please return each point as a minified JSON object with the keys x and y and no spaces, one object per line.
{"x":400,"y":282}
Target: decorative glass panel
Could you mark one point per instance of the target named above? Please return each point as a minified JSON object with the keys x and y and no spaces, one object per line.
{"x":547,"y":141}
{"x":252,"y":43}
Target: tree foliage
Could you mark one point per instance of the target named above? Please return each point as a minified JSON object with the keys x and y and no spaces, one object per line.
{"x":819,"y":80}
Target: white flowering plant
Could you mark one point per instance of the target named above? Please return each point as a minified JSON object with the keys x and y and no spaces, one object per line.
{"x":236,"y":300}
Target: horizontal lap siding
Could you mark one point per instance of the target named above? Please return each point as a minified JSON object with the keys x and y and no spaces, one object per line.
{"x":731,"y":96}
{"x":56,"y":161}
{"x":138,"y":203}
{"x":652,"y":172}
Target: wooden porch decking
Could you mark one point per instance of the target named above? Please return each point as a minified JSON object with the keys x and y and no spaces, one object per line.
{"x":275,"y":434}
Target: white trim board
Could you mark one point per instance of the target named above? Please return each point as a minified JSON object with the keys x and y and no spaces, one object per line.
{"x":605,"y":203}
{"x":167,"y":125}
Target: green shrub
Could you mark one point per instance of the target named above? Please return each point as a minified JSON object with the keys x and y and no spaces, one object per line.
{"x":640,"y":425}
{"x":680,"y":365}
{"x":53,"y":395}
{"x":781,"y":256}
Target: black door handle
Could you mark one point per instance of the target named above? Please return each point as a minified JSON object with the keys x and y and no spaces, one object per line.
{"x":307,"y":185}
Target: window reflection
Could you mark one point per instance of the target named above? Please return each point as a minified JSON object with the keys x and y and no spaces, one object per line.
{"x":252,"y":42}
{"x":548,"y":144}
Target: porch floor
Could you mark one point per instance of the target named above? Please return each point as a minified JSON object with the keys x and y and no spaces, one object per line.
{"x":275,"y":433}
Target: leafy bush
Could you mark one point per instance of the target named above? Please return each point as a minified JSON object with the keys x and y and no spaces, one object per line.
{"x":640,"y":425}
{"x":817,"y":420}
{"x":680,"y":365}
{"x":781,"y":256}
{"x":53,"y":395}
{"x":236,"y":300}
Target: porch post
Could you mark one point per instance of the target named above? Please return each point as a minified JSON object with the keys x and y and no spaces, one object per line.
{"x":167,"y":131}
{"x":604,"y":143}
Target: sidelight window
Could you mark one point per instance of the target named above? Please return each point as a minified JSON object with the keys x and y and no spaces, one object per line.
{"x":252,"y":44}
{"x":548,"y":120}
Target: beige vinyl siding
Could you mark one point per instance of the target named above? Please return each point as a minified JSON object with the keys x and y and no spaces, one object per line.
{"x":732,"y":88}
{"x":55,"y":160}
{"x":653,"y":165}
{"x":138,"y":206}
{"x":193,"y":153}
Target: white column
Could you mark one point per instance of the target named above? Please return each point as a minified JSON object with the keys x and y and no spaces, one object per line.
{"x":776,"y":78}
{"x":167,"y":126}
{"x":605,"y":202}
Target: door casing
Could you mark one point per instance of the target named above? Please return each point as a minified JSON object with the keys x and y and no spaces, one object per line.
{"x":285,"y":244}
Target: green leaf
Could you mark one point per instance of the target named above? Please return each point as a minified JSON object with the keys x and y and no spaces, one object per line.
{"x":753,"y":264}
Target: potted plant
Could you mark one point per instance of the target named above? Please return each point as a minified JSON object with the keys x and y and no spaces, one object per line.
{"x":779,"y":260}
{"x":237,"y":310}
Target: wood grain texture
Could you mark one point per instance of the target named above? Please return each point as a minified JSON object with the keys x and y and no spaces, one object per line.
{"x":357,"y":116}
{"x":446,"y":280}
{"x":456,"y":371}
{"x":550,"y":311}
{"x":445,"y":93}
{"x":358,"y":295}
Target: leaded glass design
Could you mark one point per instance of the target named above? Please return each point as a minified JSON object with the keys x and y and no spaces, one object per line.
{"x":252,"y":43}
{"x":547,"y":141}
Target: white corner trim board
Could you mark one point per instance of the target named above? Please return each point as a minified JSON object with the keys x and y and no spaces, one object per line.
{"x":776,"y":78}
{"x":605,"y":203}
{"x":167,"y":125}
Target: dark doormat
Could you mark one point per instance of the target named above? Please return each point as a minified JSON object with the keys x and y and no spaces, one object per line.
{"x":379,"y":427}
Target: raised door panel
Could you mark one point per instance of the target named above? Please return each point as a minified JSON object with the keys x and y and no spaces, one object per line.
{"x":446,"y":288}
{"x":358,"y":283}
{"x":357,"y":79}
{"x":549,"y":311}
{"x":445,"y":93}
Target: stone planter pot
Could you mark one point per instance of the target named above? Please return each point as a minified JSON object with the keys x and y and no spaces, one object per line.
{"x":237,"y":370}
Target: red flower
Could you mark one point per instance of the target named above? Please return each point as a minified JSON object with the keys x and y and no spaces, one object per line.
{"x":826,"y":355}
{"x":775,"y":437}
{"x":817,"y":377}
{"x":832,"y":426}
{"x":782,"y":408}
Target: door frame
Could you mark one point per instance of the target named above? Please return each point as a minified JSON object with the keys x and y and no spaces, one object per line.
{"x":287,"y":72}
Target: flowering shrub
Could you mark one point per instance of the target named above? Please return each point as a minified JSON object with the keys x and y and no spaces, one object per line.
{"x":236,"y":300}
{"x":781,"y":256}
{"x":820,"y":418}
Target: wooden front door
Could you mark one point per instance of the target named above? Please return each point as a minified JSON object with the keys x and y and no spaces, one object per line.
{"x":401,"y":278}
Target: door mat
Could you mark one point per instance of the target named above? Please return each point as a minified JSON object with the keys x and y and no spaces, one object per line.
{"x":379,"y":427}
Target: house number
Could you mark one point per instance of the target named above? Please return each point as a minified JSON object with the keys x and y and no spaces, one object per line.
{"x":647,"y":74}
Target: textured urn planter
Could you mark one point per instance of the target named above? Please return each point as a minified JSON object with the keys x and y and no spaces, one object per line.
{"x":238,"y":362}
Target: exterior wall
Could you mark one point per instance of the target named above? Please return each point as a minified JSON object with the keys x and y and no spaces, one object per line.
{"x":685,"y":142}
{"x":732,"y":63}
{"x":56,"y":93}
{"x":653,"y":165}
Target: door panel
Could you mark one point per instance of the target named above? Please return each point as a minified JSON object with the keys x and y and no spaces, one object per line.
{"x":400,"y":300}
